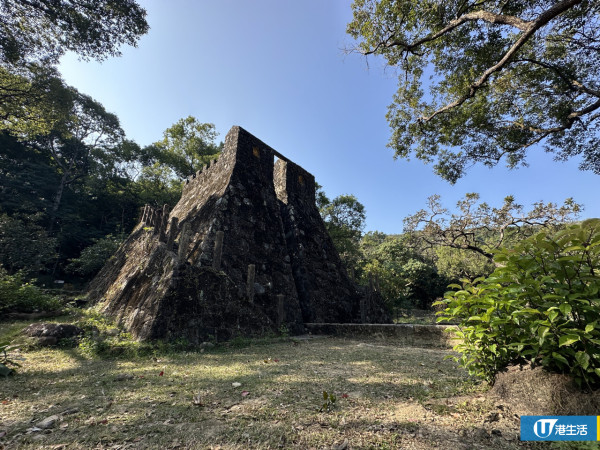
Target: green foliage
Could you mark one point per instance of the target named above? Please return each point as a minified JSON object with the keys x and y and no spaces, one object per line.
{"x":156,"y":186}
{"x":186,"y":146}
{"x":93,"y":258}
{"x":455,"y":264}
{"x":329,"y":401}
{"x":24,"y":245}
{"x":20,"y":296}
{"x":44,"y":30}
{"x":344,"y":219}
{"x":540,"y":306}
{"x":480,"y":228}
{"x":480,"y":82}
{"x":402,"y":276}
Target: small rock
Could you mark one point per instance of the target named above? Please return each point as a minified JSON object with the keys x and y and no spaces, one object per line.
{"x":48,"y":422}
{"x":236,"y":384}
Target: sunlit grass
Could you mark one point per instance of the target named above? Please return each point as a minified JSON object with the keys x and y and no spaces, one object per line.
{"x":189,"y":399}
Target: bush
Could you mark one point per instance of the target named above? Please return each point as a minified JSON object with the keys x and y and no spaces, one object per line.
{"x":20,"y":296}
{"x":93,"y":258}
{"x":539,"y":307}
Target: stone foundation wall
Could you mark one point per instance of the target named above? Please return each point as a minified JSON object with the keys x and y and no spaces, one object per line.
{"x":407,"y":334}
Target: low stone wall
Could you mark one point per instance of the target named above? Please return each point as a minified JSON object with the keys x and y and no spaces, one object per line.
{"x":408,"y":334}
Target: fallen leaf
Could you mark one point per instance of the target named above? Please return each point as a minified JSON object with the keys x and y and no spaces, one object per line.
{"x":161,"y":373}
{"x":345,"y":395}
{"x":5,"y":402}
{"x":2,"y":434}
{"x":245,"y":393}
{"x":275,"y":360}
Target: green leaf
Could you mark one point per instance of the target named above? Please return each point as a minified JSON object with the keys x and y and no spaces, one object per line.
{"x":559,"y":357}
{"x":583,"y":359}
{"x":567,"y":339}
{"x":565,"y":308}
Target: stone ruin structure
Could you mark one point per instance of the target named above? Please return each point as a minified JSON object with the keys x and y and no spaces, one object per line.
{"x":244,"y":252}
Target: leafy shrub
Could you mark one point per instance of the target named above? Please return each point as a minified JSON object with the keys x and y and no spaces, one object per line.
{"x":24,"y":245}
{"x":93,"y":258}
{"x":18,"y":295}
{"x":540,"y":306}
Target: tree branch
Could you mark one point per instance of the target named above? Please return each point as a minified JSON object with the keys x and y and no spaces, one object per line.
{"x":532,"y":27}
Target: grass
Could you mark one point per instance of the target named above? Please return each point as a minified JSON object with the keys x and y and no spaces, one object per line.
{"x":388,"y":396}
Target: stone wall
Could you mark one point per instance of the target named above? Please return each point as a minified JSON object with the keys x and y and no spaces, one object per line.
{"x":414,"y":335}
{"x":244,"y":251}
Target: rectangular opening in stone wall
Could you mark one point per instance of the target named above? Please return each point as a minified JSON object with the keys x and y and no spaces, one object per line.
{"x":279,"y":180}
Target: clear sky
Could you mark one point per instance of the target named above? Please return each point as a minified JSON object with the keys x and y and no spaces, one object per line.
{"x":277,"y":68}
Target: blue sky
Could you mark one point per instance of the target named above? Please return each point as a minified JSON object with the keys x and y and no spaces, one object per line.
{"x":277,"y":68}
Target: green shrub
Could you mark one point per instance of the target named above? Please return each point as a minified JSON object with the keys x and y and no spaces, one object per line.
{"x":93,"y":258}
{"x":540,"y":306}
{"x":18,"y":295}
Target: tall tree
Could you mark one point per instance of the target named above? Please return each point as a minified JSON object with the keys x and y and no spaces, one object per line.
{"x":344,"y":219}
{"x":34,"y":34}
{"x":479,"y":228}
{"x":485,"y":80}
{"x":82,"y":141}
{"x":187,"y":145}
{"x":43,"y":30}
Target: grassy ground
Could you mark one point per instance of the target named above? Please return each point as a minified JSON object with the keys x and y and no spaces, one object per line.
{"x":256,"y":394}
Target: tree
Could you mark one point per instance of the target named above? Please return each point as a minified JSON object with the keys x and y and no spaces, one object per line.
{"x":155,"y":186}
{"x":43,"y":30}
{"x":480,"y":228}
{"x":34,"y":34}
{"x":485,"y":80}
{"x":187,"y":145}
{"x":344,"y":219}
{"x":32,"y":101}
{"x":80,"y":142}
{"x":24,"y":245}
{"x":399,"y":273}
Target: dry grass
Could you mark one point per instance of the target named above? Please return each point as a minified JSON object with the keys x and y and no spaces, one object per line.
{"x":387,"y":397}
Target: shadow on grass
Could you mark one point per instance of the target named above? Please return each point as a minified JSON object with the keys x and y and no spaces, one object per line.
{"x":188,"y":398}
